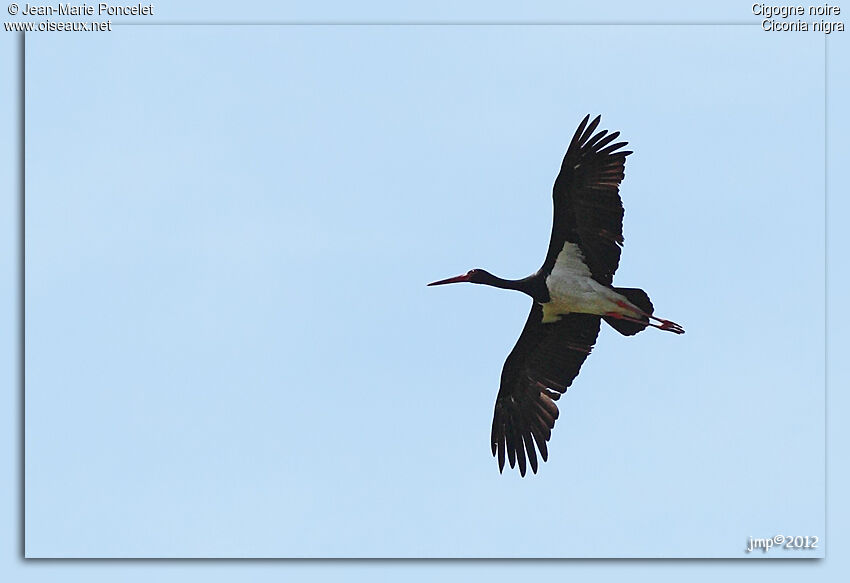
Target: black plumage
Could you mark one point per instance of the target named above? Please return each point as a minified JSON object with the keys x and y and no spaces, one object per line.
{"x":586,"y":200}
{"x":542,"y":365}
{"x":587,"y":235}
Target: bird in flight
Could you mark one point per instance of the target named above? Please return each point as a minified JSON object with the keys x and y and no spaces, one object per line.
{"x":572,"y":294}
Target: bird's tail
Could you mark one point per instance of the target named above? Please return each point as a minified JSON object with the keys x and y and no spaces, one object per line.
{"x":641,"y":301}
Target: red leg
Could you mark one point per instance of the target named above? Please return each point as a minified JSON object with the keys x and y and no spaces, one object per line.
{"x":664,"y":325}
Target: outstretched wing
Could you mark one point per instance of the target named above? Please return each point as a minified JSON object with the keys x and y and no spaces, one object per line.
{"x":588,"y":209}
{"x":544,"y":362}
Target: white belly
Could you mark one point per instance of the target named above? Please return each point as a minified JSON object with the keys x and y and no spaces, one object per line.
{"x":573,"y":290}
{"x":581,"y":295}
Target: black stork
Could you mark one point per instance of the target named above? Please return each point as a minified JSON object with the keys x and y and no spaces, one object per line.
{"x":572,"y":294}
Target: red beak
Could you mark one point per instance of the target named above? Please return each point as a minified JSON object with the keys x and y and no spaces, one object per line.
{"x":458,"y":279}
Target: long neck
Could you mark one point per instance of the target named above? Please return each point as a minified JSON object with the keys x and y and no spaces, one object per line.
{"x":532,"y":285}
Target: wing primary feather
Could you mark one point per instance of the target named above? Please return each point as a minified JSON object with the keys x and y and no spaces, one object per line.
{"x":541,"y":445}
{"x":529,"y":423}
{"x":501,"y":455}
{"x":529,"y":449}
{"x":608,"y":139}
{"x":590,"y":129}
{"x":592,"y":142}
{"x":579,"y":131}
{"x":509,"y":443}
{"x":520,"y":454}
{"x":516,"y":447}
{"x":610,"y":150}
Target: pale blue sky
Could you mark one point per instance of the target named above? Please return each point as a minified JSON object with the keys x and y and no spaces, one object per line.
{"x":231,"y":351}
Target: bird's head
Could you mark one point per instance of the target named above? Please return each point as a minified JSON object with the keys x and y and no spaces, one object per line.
{"x":471,"y":276}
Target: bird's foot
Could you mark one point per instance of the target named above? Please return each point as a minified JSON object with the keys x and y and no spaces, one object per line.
{"x":671,"y":327}
{"x":663,"y":324}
